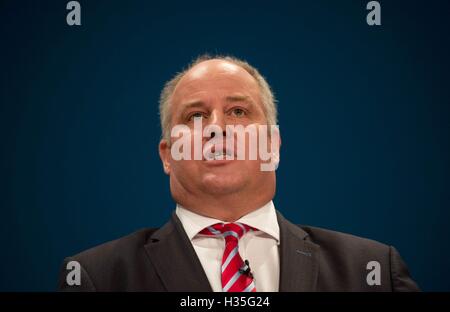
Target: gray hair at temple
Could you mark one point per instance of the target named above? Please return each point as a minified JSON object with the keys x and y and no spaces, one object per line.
{"x":267,"y":96}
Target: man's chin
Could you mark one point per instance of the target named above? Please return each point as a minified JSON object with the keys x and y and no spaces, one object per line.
{"x":218,"y":185}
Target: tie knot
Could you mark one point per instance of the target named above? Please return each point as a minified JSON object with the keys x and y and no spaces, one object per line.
{"x":229,"y":231}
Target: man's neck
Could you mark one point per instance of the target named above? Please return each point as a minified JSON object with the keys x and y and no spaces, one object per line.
{"x":224,"y":208}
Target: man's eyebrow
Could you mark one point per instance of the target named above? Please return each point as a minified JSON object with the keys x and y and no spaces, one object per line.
{"x":230,"y":98}
{"x":192,"y":104}
{"x":239,"y":98}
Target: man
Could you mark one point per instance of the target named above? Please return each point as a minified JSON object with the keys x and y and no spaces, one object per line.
{"x":225,"y":234}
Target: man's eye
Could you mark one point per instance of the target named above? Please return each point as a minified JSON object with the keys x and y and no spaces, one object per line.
{"x":196,"y":115}
{"x":238,"y":112}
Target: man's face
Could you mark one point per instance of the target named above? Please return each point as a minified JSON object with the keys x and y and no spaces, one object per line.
{"x":220,"y":93}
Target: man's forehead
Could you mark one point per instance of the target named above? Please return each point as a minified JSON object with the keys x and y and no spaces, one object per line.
{"x":211,"y":67}
{"x":214,"y":71}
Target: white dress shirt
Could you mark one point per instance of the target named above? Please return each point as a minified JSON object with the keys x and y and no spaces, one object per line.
{"x":260,"y":247}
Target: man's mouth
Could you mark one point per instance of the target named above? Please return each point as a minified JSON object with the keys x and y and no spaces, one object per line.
{"x":219,"y":155}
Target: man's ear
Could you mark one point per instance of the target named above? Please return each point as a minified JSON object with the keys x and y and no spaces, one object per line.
{"x":164,"y":154}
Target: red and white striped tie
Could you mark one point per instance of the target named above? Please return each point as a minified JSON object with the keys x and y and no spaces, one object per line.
{"x":234,"y":270}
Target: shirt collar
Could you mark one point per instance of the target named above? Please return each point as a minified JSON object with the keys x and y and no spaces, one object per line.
{"x":264,"y":219}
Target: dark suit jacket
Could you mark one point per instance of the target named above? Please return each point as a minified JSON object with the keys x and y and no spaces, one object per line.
{"x":311,"y":259}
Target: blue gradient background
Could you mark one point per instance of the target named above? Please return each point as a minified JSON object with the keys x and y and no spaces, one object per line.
{"x":364,"y":117}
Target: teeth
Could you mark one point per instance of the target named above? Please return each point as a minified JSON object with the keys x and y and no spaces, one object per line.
{"x":218,"y":155}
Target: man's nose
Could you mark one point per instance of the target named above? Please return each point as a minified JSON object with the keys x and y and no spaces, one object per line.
{"x":217,"y":119}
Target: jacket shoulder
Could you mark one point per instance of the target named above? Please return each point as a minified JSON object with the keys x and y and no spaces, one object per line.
{"x":116,"y":247}
{"x":116,"y":265}
{"x":346,"y":260}
{"x":330,"y":240}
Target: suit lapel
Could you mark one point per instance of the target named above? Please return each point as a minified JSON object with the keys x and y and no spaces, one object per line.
{"x":175,"y":259}
{"x":299,"y":258}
